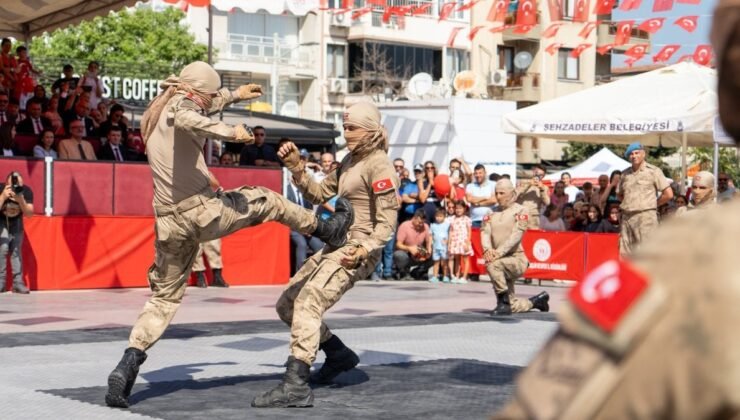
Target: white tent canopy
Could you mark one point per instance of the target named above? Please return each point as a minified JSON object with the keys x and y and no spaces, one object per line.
{"x":656,"y":108}
{"x":602,"y":162}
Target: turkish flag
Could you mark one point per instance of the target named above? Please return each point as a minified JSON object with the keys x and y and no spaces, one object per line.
{"x":468,"y":5}
{"x":581,"y":12}
{"x":662,"y":5}
{"x":497,"y":29}
{"x":652,"y":26}
{"x":628,"y":5}
{"x":703,"y":54}
{"x":446,"y":10}
{"x":552,"y":30}
{"x":347,"y":4}
{"x":420,"y":10}
{"x":556,"y":9}
{"x":604,"y":7}
{"x":498,"y":11}
{"x":588,"y":28}
{"x":553,"y":48}
{"x":578,"y":50}
{"x":387,"y":14}
{"x":665,"y":53}
{"x":602,"y":50}
{"x":689,"y":1}
{"x":522,"y":29}
{"x":453,"y":35}
{"x":379,"y":3}
{"x":630,"y":61}
{"x":687,"y":23}
{"x":637,"y":51}
{"x":624,"y":32}
{"x":474,"y":32}
{"x":526,"y":13}
{"x":361,"y":12}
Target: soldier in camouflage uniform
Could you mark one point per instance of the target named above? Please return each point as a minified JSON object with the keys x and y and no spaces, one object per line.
{"x":187,"y":210}
{"x":367,"y":179}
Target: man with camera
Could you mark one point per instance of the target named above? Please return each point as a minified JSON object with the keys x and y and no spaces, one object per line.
{"x":16,"y":201}
{"x":534,"y":195}
{"x":413,"y":248}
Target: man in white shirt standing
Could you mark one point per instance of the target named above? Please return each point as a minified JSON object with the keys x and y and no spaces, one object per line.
{"x":571,"y":190}
{"x":480,"y":194}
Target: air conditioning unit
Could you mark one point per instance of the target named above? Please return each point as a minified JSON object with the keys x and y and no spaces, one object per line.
{"x":498,"y":78}
{"x":337,"y":86}
{"x":343,"y":20}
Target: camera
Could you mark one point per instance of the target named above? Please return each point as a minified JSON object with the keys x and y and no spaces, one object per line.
{"x":14,"y":184}
{"x":87,"y":88}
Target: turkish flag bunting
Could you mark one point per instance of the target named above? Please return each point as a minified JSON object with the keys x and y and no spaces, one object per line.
{"x":498,"y":11}
{"x":636,"y":51}
{"x":604,"y":7}
{"x":588,"y":28}
{"x":624,"y":32}
{"x":630,"y":61}
{"x":665,"y":53}
{"x":602,"y":50}
{"x":379,"y":3}
{"x":347,"y":4}
{"x":497,"y":29}
{"x":553,"y":48}
{"x":420,"y":10}
{"x":687,"y":23}
{"x":453,"y":35}
{"x":526,"y":13}
{"x":556,"y":10}
{"x":689,"y":1}
{"x":474,"y":32}
{"x":578,"y":50}
{"x":340,"y":11}
{"x":446,"y":10}
{"x":522,"y":29}
{"x":552,"y":30}
{"x":361,"y":12}
{"x":662,"y":5}
{"x":581,"y":12}
{"x":652,"y":26}
{"x":628,"y":5}
{"x":703,"y":54}
{"x":387,"y":14}
{"x":468,"y":5}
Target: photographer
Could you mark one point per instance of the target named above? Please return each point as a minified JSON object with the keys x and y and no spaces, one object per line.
{"x":534,"y":195}
{"x":16,"y":201}
{"x":413,"y":248}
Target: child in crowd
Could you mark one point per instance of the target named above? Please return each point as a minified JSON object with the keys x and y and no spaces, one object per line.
{"x":440,"y":234}
{"x":25,"y":76}
{"x":460,"y":247}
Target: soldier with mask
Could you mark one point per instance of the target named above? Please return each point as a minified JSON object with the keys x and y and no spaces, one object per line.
{"x":367,"y":179}
{"x":646,"y":338}
{"x":501,"y":238}
{"x":188,"y":212}
{"x":702,"y":193}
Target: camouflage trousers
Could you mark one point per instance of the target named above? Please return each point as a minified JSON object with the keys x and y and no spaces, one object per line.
{"x":212,"y":251}
{"x":635,"y":226}
{"x":504,"y":272}
{"x":315,"y":288}
{"x":180,"y":229}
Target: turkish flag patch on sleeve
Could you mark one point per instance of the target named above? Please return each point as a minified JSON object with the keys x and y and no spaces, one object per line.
{"x":382,"y":185}
{"x":608,"y":292}
{"x":522,"y":217}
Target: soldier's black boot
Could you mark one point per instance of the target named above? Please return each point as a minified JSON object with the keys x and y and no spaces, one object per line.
{"x":122,"y":379}
{"x":339,"y":358}
{"x":202,"y":283}
{"x":503,"y":306}
{"x":333,"y":231}
{"x":293,"y":391}
{"x":218,"y":280}
{"x":541,"y":302}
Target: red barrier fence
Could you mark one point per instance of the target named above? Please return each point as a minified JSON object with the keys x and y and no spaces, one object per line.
{"x":556,"y":255}
{"x":86,"y":252}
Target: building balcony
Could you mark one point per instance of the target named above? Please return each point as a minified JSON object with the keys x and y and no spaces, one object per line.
{"x":534,"y":34}
{"x":607,"y":32}
{"x":260,"y":54}
{"x":522,"y":87}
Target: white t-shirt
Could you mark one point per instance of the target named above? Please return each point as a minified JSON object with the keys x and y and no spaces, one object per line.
{"x":477,"y":190}
{"x":572,"y":192}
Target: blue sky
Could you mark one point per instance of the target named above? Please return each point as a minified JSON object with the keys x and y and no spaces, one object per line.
{"x":670,"y":33}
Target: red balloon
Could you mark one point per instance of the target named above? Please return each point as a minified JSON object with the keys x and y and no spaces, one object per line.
{"x":442,"y":186}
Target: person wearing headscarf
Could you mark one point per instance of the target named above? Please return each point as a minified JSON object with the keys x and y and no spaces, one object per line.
{"x":368,"y":180}
{"x":187,"y":210}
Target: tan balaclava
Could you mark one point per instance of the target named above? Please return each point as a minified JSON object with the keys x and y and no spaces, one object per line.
{"x":506,"y":187}
{"x":366,"y":133}
{"x":702,"y":189}
{"x":198,"y":81}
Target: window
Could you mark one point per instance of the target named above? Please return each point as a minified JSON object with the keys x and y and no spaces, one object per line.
{"x":457,"y":61}
{"x":569,"y":8}
{"x":336,"y":60}
{"x":262,"y":25}
{"x":568,"y":67}
{"x":401,"y":61}
{"x":506,"y":59}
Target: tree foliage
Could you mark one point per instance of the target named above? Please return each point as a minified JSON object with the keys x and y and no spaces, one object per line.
{"x":136,"y":42}
{"x":577,"y":152}
{"x":728,"y":160}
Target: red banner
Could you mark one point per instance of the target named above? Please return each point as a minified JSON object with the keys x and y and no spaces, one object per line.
{"x":600,"y":247}
{"x":555,"y":255}
{"x":80,"y":252}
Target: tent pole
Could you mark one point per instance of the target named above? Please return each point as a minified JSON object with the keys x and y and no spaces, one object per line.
{"x":715,"y":166}
{"x":684,"y":147}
